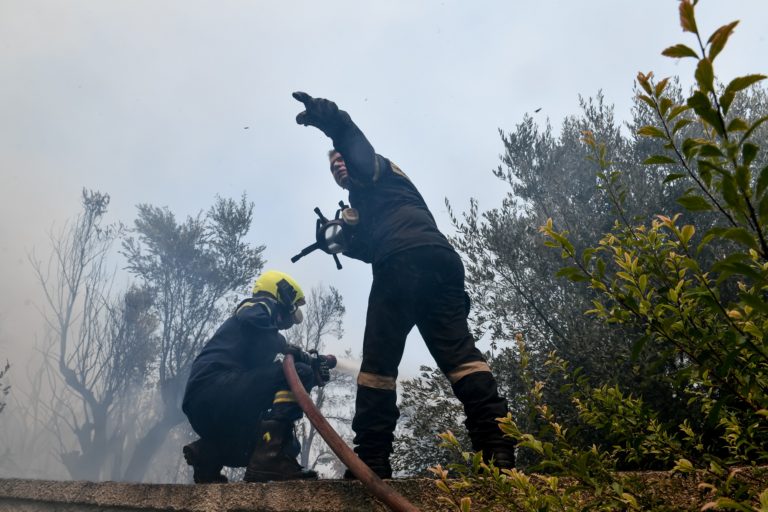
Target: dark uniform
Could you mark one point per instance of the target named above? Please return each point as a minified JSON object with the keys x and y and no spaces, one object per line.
{"x":234,"y":386}
{"x":418,"y":279}
{"x":235,"y":376}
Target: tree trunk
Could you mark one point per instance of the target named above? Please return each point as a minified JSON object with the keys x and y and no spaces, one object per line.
{"x":149,"y":445}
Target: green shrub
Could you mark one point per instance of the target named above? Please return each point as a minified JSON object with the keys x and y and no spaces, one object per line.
{"x":700,"y":299}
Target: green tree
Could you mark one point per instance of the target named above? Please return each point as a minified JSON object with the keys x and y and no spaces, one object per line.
{"x":711,"y":315}
{"x":191,"y":270}
{"x":693,"y":283}
{"x":428,"y":407}
{"x":515,"y":280}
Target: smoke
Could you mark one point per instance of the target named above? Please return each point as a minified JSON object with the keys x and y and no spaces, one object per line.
{"x":349,"y":367}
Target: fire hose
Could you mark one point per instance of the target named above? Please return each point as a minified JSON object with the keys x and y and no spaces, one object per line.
{"x":394,"y":500}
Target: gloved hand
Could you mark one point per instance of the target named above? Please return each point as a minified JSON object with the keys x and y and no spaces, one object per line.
{"x":320,"y":113}
{"x":299,"y":356}
{"x":322,"y":370}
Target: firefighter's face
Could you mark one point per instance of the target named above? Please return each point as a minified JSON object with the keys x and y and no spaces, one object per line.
{"x":339,"y":169}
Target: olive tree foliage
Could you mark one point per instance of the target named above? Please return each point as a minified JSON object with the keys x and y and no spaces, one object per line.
{"x":515,"y":281}
{"x":191,"y":270}
{"x":101,"y":339}
{"x":323,"y":317}
{"x":428,"y":408}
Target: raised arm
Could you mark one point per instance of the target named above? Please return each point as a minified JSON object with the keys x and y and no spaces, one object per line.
{"x":359,"y":155}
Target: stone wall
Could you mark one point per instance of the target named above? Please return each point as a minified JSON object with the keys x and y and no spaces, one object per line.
{"x":298,"y":496}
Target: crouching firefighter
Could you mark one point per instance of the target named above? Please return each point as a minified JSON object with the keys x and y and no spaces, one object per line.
{"x":237,"y":399}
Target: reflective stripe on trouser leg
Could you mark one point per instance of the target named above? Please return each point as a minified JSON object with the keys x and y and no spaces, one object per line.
{"x":284,"y":397}
{"x":372,"y":380}
{"x":465,"y":369}
{"x":284,"y":407}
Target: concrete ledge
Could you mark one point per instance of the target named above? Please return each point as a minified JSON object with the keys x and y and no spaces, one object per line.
{"x":298,"y":496}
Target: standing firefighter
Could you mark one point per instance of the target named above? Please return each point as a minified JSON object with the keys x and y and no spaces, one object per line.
{"x":418,"y":279}
{"x":237,"y":399}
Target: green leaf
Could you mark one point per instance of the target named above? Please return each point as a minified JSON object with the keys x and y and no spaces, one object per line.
{"x":642,"y":283}
{"x":754,"y":301}
{"x":694,"y":203}
{"x":737,"y":125}
{"x":644,"y":81}
{"x":705,"y":75}
{"x":749,"y":152}
{"x":651,"y":131}
{"x":677,"y":110}
{"x":742,"y":82}
{"x":660,"y":89}
{"x":754,"y":127}
{"x":762,"y":181}
{"x":718,"y":39}
{"x":680,"y":124}
{"x":691,"y":147}
{"x":664,"y":105}
{"x":726,"y":99}
{"x":687,"y":233}
{"x":680,"y":51}
{"x":734,"y":264}
{"x":710,"y":150}
{"x":741,"y":236}
{"x":687,"y":19}
{"x":572,"y":273}
{"x":743,"y":179}
{"x":762,"y":210}
{"x":674,"y":176}
{"x":736,"y":85}
{"x":730,"y":194}
{"x":647,"y":100}
{"x":658,"y":160}
{"x":601,"y":264}
{"x":703,"y":108}
{"x":709,"y":165}
{"x":730,"y":504}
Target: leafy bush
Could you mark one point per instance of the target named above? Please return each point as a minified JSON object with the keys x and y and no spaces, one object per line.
{"x":699,"y":299}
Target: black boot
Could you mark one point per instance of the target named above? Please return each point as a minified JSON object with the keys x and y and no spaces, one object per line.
{"x":378,"y":464}
{"x":503,"y":457}
{"x":270,"y":459}
{"x":205,"y":461}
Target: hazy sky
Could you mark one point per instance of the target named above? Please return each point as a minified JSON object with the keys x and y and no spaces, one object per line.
{"x":149,"y":101}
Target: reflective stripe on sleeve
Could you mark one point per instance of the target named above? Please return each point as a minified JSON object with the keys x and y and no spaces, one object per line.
{"x":372,"y":380}
{"x":251,"y":304}
{"x":465,"y":369}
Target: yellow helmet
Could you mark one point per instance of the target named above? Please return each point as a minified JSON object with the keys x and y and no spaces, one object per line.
{"x":281,"y":287}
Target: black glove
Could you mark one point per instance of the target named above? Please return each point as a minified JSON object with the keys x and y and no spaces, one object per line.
{"x":320,"y":113}
{"x":299,"y":356}
{"x":322,"y":370}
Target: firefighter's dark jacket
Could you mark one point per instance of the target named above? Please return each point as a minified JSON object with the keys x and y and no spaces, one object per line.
{"x":248,"y":341}
{"x":393,"y":215}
